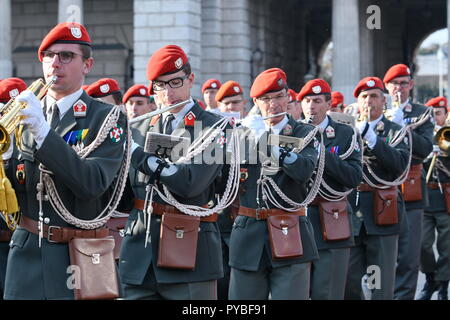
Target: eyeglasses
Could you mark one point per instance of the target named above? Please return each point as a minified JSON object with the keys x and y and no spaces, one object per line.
{"x":64,"y":56}
{"x":275,"y":99}
{"x":403,"y":84}
{"x":159,"y":85}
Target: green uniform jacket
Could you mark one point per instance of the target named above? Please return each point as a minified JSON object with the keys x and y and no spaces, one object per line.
{"x":84,"y":186}
{"x":249,"y":237}
{"x":339,"y":174}
{"x":388,"y":163}
{"x":192,"y":184}
{"x":422,"y":145}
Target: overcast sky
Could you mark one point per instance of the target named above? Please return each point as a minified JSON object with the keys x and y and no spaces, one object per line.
{"x":440,"y":36}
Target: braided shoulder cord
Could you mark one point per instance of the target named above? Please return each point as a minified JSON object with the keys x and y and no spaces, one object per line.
{"x":327,"y":192}
{"x":440,"y":166}
{"x":232,"y":186}
{"x":55,"y":199}
{"x":265,"y":182}
{"x":384,"y":183}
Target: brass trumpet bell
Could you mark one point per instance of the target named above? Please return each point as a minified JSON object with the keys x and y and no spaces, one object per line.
{"x":442,"y":139}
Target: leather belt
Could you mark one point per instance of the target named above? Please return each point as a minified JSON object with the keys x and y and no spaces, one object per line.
{"x":365,"y":187}
{"x":317,"y":200}
{"x":435,"y":185}
{"x":5,"y":235}
{"x":159,"y":209}
{"x":263,"y":214}
{"x":59,"y":234}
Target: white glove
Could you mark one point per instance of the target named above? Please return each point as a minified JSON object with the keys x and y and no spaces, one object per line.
{"x":436,"y":148}
{"x":361,"y":126}
{"x":397,"y":116}
{"x":34,"y":117}
{"x":290,"y":157}
{"x":369,"y":136}
{"x":166,"y":172}
{"x":8,"y":154}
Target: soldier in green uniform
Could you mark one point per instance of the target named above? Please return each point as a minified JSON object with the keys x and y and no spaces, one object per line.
{"x":342,"y":173}
{"x":436,"y":219}
{"x":143,"y":274}
{"x":9,"y":89}
{"x":258,"y":268}
{"x":377,"y":204}
{"x":38,"y":266}
{"x":398,"y":81}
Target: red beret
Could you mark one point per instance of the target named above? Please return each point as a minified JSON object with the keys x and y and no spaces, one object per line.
{"x":314,"y":87}
{"x":211,"y":84}
{"x":292,"y":95}
{"x":10,"y":88}
{"x":398,"y":70}
{"x":138,"y":90}
{"x":273,"y":79}
{"x":103,"y":87}
{"x":168,"y":59}
{"x":337,"y":99}
{"x":368,"y":83}
{"x":65,"y":32}
{"x":229,"y":89}
{"x":437,"y":102}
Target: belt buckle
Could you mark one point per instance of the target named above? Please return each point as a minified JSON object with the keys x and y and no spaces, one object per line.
{"x":258,"y":213}
{"x":49,"y":233}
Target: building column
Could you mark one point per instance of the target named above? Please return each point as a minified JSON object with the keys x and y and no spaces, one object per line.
{"x":5,"y":40}
{"x":346,"y":47}
{"x":70,"y":11}
{"x":161,"y":22}
{"x":211,"y":40}
{"x":236,"y":42}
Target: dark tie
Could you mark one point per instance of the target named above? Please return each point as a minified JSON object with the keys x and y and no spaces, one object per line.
{"x":53,"y":116}
{"x":168,"y":124}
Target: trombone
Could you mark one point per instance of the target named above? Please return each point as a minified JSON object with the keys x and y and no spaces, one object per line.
{"x":9,"y":123}
{"x":442,"y":140}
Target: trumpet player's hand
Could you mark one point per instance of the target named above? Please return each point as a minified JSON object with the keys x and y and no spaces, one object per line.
{"x":436,"y":149}
{"x":397,"y":116}
{"x":367,"y":133}
{"x":34,"y":117}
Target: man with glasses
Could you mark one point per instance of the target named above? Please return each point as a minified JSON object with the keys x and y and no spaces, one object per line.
{"x":399,"y":83}
{"x":38,"y":266}
{"x":256,"y":272}
{"x":329,"y":273}
{"x":143,"y":273}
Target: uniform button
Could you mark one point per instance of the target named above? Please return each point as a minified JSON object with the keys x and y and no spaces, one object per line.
{"x":47,"y":220}
{"x":158,"y":220}
{"x":359,"y":214}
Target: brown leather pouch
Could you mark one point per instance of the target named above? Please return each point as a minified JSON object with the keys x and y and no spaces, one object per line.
{"x":447,"y":196}
{"x":116,"y":228}
{"x":178,"y":241}
{"x":284,"y":236}
{"x":412,"y":187}
{"x":95,"y":271}
{"x":385,"y":206}
{"x":334,"y":220}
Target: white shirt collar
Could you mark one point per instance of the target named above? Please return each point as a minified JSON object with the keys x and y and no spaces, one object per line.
{"x":373,"y":123}
{"x":279,"y":126}
{"x":65,"y":103}
{"x":324,"y":124}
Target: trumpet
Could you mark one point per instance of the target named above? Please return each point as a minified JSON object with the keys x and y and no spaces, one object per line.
{"x":442,"y":140}
{"x":159,"y":111}
{"x":9,"y":113}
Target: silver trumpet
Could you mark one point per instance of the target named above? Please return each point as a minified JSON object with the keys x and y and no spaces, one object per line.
{"x":159,"y":111}
{"x":274,"y":115}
